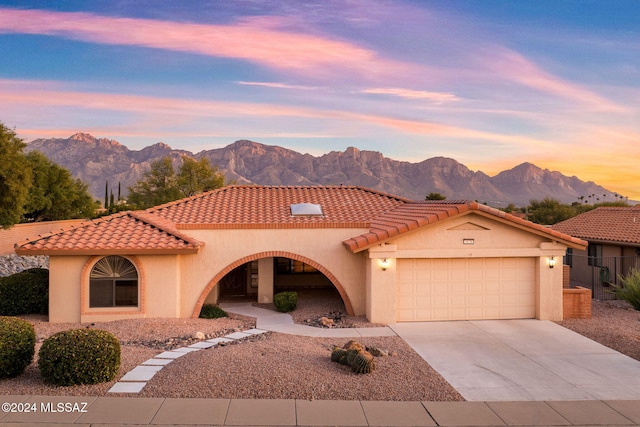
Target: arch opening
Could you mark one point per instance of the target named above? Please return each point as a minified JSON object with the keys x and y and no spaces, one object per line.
{"x":253,"y":277}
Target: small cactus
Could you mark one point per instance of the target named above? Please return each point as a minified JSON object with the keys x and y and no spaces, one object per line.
{"x":351,"y":354}
{"x":337,"y":353}
{"x":343,"y":359}
{"x":354,"y":354}
{"x":363,"y":363}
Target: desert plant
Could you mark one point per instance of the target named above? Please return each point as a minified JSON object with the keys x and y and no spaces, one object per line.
{"x":17,"y":346}
{"x":629,"y":289}
{"x":79,"y":356}
{"x":337,"y":354}
{"x":363,"y":363}
{"x":354,"y":354}
{"x":26,"y":292}
{"x":351,"y":355}
{"x":285,"y":301}
{"x":210,"y":311}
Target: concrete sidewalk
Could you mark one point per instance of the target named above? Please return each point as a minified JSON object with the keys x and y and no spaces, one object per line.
{"x":273,"y":321}
{"x":93,"y":411}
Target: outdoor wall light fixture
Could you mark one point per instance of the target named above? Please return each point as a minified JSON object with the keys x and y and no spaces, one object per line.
{"x":552,"y":262}
{"x":384,"y":264}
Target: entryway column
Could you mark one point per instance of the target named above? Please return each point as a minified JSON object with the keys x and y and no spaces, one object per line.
{"x":549,"y":282}
{"x":381,"y":284}
{"x":265,"y":280}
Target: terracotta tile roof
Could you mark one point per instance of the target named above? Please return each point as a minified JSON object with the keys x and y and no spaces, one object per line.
{"x":123,"y":233}
{"x":156,"y":230}
{"x":412,"y":215}
{"x":605,"y":224}
{"x":270,"y":207}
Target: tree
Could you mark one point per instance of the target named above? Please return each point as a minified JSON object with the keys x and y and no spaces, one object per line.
{"x":435,"y":196}
{"x":198,"y":176}
{"x":162,"y":185}
{"x":510,"y":208}
{"x":106,"y":194}
{"x":548,"y":211}
{"x":15,"y":177}
{"x":157,"y":187}
{"x":54,"y":193}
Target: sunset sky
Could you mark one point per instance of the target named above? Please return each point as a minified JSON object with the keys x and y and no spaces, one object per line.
{"x":489,"y":83}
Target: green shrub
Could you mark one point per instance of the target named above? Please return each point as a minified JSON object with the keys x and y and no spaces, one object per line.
{"x":210,"y":311}
{"x":79,"y":356}
{"x":17,"y":346}
{"x":26,"y":292}
{"x":629,"y":290}
{"x":285,"y":301}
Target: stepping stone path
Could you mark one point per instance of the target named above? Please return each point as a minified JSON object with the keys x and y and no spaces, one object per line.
{"x":135,"y":380}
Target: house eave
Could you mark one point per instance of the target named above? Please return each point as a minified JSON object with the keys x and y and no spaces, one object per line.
{"x":613,"y":242}
{"x":119,"y":251}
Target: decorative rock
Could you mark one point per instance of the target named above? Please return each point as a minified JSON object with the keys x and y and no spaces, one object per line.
{"x":198,"y":335}
{"x":333,"y":319}
{"x":377,"y":352}
{"x":326,"y":322}
{"x":11,"y":264}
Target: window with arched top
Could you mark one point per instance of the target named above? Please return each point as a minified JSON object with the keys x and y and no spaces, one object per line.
{"x":113,"y":282}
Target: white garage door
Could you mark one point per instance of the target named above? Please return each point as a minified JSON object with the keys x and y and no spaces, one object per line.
{"x":465,"y":289}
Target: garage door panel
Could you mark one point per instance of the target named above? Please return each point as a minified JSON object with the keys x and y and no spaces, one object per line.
{"x":476,"y":300}
{"x":456,"y":289}
{"x":458,"y":274}
{"x":439,"y":301}
{"x":476,"y":287}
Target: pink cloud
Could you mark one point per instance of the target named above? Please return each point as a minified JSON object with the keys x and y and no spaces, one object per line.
{"x":256,"y":41}
{"x":41,"y":95}
{"x":275,"y":85}
{"x":438,"y":97}
{"x":512,"y":66}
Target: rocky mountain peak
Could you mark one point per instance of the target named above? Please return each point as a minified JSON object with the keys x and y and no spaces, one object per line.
{"x":82,"y":137}
{"x":90,"y":139}
{"x":254,"y":163}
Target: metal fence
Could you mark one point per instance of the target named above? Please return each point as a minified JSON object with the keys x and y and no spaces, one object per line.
{"x":599,"y":273}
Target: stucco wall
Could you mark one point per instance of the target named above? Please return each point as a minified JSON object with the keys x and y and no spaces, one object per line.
{"x":65,"y":288}
{"x":445,"y":239}
{"x":225,"y":248}
{"x":484,"y":237}
{"x":177,"y":286}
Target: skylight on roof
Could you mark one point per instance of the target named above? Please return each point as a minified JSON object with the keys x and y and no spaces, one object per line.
{"x":306,"y":209}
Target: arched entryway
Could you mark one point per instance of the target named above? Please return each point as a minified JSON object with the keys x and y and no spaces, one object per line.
{"x":242,"y":279}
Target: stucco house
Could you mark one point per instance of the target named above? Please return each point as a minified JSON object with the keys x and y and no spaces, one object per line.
{"x":613,"y":234}
{"x":391,"y":259}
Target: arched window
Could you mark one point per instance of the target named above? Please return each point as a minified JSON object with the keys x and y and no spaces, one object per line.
{"x":113,"y":283}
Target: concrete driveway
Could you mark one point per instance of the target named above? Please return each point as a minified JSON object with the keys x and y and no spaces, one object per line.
{"x":493,"y":360}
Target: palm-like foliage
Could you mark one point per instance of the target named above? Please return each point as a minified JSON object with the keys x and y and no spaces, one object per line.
{"x":629,"y":289}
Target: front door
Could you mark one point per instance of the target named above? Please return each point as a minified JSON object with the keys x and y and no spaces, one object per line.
{"x":234,"y":284}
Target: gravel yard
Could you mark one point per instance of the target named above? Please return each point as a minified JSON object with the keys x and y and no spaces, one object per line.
{"x":140,"y":339}
{"x":614,"y":324}
{"x":283,"y":366}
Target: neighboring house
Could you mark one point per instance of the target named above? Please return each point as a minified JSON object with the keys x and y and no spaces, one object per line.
{"x":613,"y":234}
{"x":18,"y":232}
{"x":390,"y":258}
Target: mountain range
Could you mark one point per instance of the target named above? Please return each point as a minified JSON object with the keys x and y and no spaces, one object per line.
{"x":96,"y":160}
